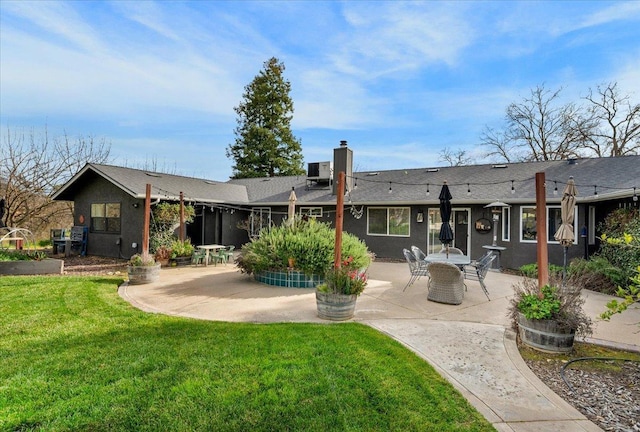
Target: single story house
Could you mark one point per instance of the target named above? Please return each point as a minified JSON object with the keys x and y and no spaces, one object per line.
{"x":389,"y":210}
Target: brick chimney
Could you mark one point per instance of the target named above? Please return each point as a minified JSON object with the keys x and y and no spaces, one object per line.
{"x":343,"y":161}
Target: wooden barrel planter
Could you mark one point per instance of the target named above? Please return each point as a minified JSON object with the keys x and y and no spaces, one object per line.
{"x":545,"y":335}
{"x":139,"y":275}
{"x":335,"y":307}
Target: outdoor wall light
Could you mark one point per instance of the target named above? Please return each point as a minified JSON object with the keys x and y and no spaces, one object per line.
{"x":420,"y":216}
{"x":135,"y":205}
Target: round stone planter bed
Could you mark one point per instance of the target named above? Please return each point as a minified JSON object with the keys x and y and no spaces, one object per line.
{"x":545,"y":335}
{"x":288,"y":279}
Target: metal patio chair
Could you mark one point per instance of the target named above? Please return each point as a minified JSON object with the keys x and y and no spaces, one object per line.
{"x":478,"y":270}
{"x":416,"y":269}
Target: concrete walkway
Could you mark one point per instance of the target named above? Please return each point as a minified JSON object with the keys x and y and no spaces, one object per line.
{"x":471,"y":344}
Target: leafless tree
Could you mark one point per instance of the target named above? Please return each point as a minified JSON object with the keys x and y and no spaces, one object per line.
{"x":617,"y":130}
{"x":454,"y":157}
{"x":32,"y":166}
{"x":539,"y":128}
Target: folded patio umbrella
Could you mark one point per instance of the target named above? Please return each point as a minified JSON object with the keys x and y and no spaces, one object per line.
{"x":446,"y":233}
{"x":292,"y":206}
{"x":565,"y":232}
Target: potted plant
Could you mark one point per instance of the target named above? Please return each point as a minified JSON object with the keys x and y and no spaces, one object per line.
{"x":162,"y":255}
{"x":181,"y":252}
{"x":548,"y":319}
{"x":336,"y":296}
{"x":142,"y":269}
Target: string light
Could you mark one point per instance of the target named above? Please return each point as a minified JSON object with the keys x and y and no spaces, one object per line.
{"x":355,"y":183}
{"x":555,"y":189}
{"x":635,"y":196}
{"x":468,"y":190}
{"x":428,"y":193}
{"x":595,"y":190}
{"x":513,"y":190}
{"x":390,"y":190}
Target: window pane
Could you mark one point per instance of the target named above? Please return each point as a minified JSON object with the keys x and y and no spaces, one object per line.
{"x":97,"y":210}
{"x":378,"y":221}
{"x":399,"y":221}
{"x":98,"y":224}
{"x":506,"y":220}
{"x":529,"y":230}
{"x":112,"y":210}
{"x":555,"y":220}
{"x":113,"y":224}
{"x":435,"y":221}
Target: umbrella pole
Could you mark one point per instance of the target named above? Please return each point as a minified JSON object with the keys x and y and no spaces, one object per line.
{"x":564,"y":268}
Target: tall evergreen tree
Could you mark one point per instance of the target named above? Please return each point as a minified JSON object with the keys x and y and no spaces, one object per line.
{"x":264,"y":144}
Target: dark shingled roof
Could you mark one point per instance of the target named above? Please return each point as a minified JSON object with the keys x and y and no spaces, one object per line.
{"x":614,"y":178}
{"x":163,"y":186}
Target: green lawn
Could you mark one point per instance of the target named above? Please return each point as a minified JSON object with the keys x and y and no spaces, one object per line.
{"x":74,"y":356}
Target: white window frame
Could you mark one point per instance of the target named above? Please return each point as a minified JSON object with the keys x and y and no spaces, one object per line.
{"x":549,"y":234}
{"x":408,"y":210}
{"x":592,"y":225}
{"x":506,"y":216}
{"x":314,"y":212}
{"x":264,"y":216}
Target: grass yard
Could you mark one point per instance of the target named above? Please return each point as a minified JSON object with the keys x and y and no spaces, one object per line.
{"x":75,"y":356}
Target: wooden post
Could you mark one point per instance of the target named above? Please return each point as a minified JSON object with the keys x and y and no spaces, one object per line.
{"x":181,"y":233}
{"x":147,"y":221}
{"x":337,"y":259}
{"x":541,"y":228}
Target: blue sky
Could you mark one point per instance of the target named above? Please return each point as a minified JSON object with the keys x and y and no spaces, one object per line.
{"x":398,"y":81}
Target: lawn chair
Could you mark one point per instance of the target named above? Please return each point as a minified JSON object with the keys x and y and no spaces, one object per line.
{"x":198,"y":256}
{"x":446,"y":283}
{"x":417,"y":269}
{"x":478,"y":270}
{"x":229,"y":252}
{"x":220,"y":255}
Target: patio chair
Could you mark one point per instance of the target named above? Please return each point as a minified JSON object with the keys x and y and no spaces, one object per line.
{"x":416,"y":269}
{"x":219,"y":255}
{"x":229,"y":252}
{"x":198,"y":257}
{"x":478,"y":270}
{"x":446,"y":283}
{"x":452,"y":250}
{"x":417,"y":252}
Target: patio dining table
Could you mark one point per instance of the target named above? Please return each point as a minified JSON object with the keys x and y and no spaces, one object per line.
{"x":459,"y":260}
{"x":210,"y":247}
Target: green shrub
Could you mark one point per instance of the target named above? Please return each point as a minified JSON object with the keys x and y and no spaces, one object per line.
{"x":531,"y":270}
{"x":45,"y":243}
{"x":6,"y":255}
{"x":139,"y":260}
{"x":619,"y":224}
{"x":595,"y":274}
{"x":310,"y":243}
{"x":181,"y":248}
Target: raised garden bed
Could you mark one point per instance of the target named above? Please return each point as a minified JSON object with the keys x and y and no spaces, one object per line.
{"x":46,"y":266}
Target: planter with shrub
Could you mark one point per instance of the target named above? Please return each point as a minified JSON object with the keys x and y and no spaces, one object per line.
{"x":142,"y":269}
{"x":548,"y":319}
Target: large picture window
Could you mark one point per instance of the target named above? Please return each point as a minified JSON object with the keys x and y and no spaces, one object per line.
{"x":528,"y":229}
{"x":389,"y":221}
{"x":105,"y":217}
